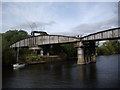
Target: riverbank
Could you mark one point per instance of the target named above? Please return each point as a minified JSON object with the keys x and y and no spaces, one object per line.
{"x":41,"y":60}
{"x":46,"y":59}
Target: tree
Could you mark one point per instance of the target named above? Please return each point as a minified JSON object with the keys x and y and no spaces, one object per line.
{"x":109,"y":48}
{"x":69,"y":49}
{"x":9,"y":37}
{"x":8,"y":55}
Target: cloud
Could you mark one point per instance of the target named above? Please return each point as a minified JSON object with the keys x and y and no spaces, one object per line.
{"x":91,"y":28}
{"x":34,"y":25}
{"x":88,"y":28}
{"x":23,"y":15}
{"x":60,"y":0}
{"x":72,"y":18}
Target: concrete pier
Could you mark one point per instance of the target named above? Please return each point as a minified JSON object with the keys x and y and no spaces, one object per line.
{"x":80,"y":53}
{"x":86,"y":52}
{"x":41,"y":52}
{"x":48,"y":54}
{"x":93,"y":58}
{"x":93,"y":51}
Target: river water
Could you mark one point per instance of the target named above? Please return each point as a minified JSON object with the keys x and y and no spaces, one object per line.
{"x":102,"y":74}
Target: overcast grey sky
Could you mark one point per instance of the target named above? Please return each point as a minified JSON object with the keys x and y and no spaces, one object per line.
{"x":64,"y":18}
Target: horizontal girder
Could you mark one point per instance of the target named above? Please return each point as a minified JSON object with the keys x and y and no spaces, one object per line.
{"x":103,"y":35}
{"x":57,"y":39}
{"x":44,"y":40}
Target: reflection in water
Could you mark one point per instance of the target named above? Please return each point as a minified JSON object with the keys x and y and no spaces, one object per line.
{"x":103,"y":73}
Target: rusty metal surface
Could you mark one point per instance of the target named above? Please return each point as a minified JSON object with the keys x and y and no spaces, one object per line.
{"x":44,"y":40}
{"x":54,"y":39}
{"x":103,"y":35}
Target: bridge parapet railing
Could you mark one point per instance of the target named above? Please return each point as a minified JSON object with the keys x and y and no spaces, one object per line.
{"x":44,"y":40}
{"x":103,"y":35}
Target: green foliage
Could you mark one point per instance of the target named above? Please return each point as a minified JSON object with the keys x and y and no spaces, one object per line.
{"x":61,"y":50}
{"x":9,"y":37}
{"x":69,"y":49}
{"x":23,"y":52}
{"x":116,"y":45}
{"x":109,"y":48}
{"x":14,"y":35}
{"x":31,"y":57}
{"x":8,"y":55}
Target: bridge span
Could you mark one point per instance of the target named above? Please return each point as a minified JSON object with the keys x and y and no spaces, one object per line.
{"x":109,"y":34}
{"x":85,"y":45}
{"x":44,"y":40}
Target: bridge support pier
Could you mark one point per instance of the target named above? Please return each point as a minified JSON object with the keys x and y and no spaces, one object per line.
{"x":86,"y":53}
{"x":80,"y":53}
{"x":41,"y":52}
{"x":93,"y":51}
{"x":93,"y":58}
{"x":48,"y":54}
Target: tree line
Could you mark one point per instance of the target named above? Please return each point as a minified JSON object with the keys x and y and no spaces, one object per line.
{"x":109,"y":47}
{"x":8,"y":38}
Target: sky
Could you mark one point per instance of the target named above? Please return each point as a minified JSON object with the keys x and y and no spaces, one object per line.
{"x":61,"y":18}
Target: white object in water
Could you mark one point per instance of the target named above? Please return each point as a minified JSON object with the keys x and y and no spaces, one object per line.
{"x":17,"y":65}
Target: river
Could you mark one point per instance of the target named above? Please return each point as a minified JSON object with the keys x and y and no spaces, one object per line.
{"x":102,"y":74}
